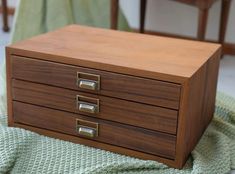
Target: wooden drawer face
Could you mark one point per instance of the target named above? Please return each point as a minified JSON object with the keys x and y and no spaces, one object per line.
{"x":136,"y":114}
{"x":132,"y":88}
{"x":151,"y":142}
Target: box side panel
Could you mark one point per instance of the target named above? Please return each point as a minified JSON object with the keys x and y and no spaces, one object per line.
{"x":197,"y":107}
{"x":201,"y":109}
{"x":9,"y":87}
{"x":210,"y":89}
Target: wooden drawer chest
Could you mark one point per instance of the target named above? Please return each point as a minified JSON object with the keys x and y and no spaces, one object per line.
{"x":139,"y":95}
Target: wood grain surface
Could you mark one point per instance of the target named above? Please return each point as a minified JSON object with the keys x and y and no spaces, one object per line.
{"x":97,"y":144}
{"x":128,"y":53}
{"x":136,"y":114}
{"x":156,"y":97}
{"x":112,"y":84}
{"x":197,"y":107}
{"x":144,"y":140}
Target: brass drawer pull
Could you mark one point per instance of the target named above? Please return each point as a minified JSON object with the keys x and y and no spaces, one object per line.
{"x":87,"y":128}
{"x":87,"y":104}
{"x":85,"y":131}
{"x":88,"y":81}
{"x":85,"y":84}
{"x":87,"y":107}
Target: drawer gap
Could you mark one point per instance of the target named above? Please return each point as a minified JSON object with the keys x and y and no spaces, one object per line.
{"x":95,"y":117}
{"x":96,"y":94}
{"x":175,"y":83}
{"x":95,"y":140}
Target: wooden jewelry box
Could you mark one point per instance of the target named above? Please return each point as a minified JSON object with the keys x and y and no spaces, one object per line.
{"x":139,"y":95}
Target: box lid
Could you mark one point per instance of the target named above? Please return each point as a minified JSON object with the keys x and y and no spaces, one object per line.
{"x":142,"y":55}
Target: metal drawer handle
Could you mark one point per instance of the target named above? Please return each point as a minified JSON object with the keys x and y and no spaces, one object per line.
{"x":87,"y":107}
{"x":87,"y":84}
{"x":86,"y":131}
{"x":87,"y":128}
{"x":88,"y":81}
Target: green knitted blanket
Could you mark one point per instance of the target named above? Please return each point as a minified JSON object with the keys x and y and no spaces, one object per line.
{"x":22,"y":151}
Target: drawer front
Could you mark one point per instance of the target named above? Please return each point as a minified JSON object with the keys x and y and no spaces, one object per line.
{"x":141,"y":115}
{"x":132,"y":88}
{"x":99,"y":130}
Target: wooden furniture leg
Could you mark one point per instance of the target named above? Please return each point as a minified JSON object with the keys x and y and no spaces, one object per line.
{"x":225,"y":7}
{"x":142,"y":14}
{"x":114,"y":14}
{"x":202,"y":23}
{"x":5,"y":15}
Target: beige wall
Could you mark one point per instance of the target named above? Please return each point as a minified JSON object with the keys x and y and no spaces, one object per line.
{"x":174,"y":17}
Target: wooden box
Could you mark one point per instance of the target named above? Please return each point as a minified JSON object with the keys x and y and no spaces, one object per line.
{"x":139,"y":95}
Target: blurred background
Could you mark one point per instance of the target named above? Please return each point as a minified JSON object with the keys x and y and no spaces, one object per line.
{"x":204,"y":20}
{"x":167,"y":17}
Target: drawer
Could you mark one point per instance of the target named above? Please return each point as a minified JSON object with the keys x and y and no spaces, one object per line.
{"x":126,"y":87}
{"x":137,"y":114}
{"x":143,"y":140}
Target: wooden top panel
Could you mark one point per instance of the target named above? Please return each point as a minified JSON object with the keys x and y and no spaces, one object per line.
{"x":148,"y":56}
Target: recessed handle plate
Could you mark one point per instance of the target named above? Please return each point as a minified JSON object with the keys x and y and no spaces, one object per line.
{"x":87,"y":107}
{"x":83,"y":105}
{"x":87,"y":84}
{"x":88,"y":81}
{"x":86,"y":131}
{"x":87,"y":128}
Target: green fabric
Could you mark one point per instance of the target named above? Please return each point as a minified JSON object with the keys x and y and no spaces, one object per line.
{"x":40,"y":16}
{"x":22,"y":151}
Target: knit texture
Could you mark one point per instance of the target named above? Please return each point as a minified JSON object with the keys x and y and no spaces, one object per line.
{"x":22,"y":151}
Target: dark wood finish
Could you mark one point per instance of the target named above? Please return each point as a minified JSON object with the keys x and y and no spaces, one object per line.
{"x":164,"y":34}
{"x":198,"y":3}
{"x":9,"y":87}
{"x":202,"y":23}
{"x":228,"y":48}
{"x":143,"y":4}
{"x":109,"y":132}
{"x":136,"y":114}
{"x":11,"y":10}
{"x":112,"y":84}
{"x":203,"y":7}
{"x":190,"y":67}
{"x":96,"y":144}
{"x":224,"y":14}
{"x":200,"y":91}
{"x":114,"y":14}
{"x":5,"y":15}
